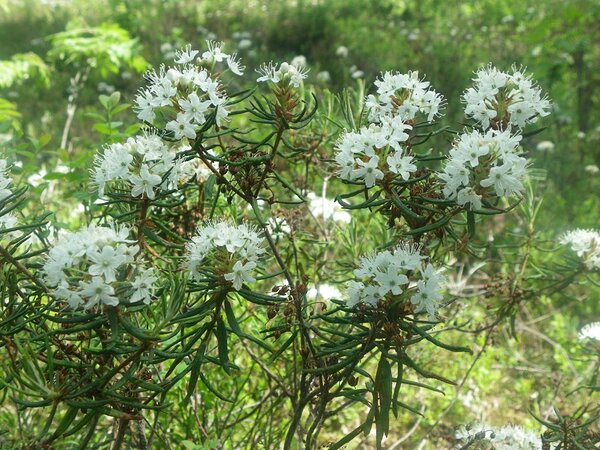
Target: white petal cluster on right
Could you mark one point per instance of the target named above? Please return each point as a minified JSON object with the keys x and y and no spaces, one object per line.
{"x":505,"y":99}
{"x":231,"y":250}
{"x":510,"y":437}
{"x":586,"y":243}
{"x":91,"y":266}
{"x":393,"y":273}
{"x":483,"y":166}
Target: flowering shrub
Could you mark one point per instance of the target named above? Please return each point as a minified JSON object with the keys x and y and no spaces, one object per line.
{"x":197,"y":275}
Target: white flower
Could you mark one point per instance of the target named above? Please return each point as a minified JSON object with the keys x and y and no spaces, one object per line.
{"x":401,"y":165}
{"x":427,"y":298}
{"x":235,"y":65}
{"x":214,"y":52}
{"x":342,"y":51}
{"x":299,"y":61}
{"x":182,"y":126}
{"x":369,"y":171}
{"x":194,"y":109}
{"x":145,"y":102}
{"x":285,"y":72}
{"x":97,"y":292}
{"x":244,"y":44}
{"x":354,"y":290}
{"x":327,"y":208}
{"x":181,"y":96}
{"x":509,"y":437}
{"x":399,"y":272}
{"x":404,"y":95}
{"x":185,"y":55}
{"x":143,"y":287}
{"x":468,"y":196}
{"x":323,"y":291}
{"x":592,"y":169}
{"x":123,"y":162}
{"x":73,"y":298}
{"x":144,"y":183}
{"x":163,"y":92}
{"x":390,"y":281}
{"x":241,"y":274}
{"x":323,"y":77}
{"x":268,"y":72}
{"x":503,"y":180}
{"x":485,"y":160}
{"x":106,"y":263}
{"x":89,"y":264}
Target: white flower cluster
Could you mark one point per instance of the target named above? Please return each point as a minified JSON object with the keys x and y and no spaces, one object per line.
{"x":291,"y":73}
{"x":480,"y":163}
{"x":323,"y":291}
{"x":590,"y":331}
{"x":93,"y":265}
{"x":7,"y":220}
{"x":181,"y":98}
{"x":399,"y":98}
{"x":404,"y":95}
{"x":327,"y":209}
{"x":394,"y":272}
{"x":509,"y":437}
{"x":586,"y":243}
{"x":145,"y":163}
{"x":508,"y":99}
{"x":357,"y":152}
{"x":235,"y":248}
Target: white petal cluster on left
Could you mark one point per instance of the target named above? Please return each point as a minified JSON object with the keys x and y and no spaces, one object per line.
{"x":94,"y":266}
{"x":144,"y":164}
